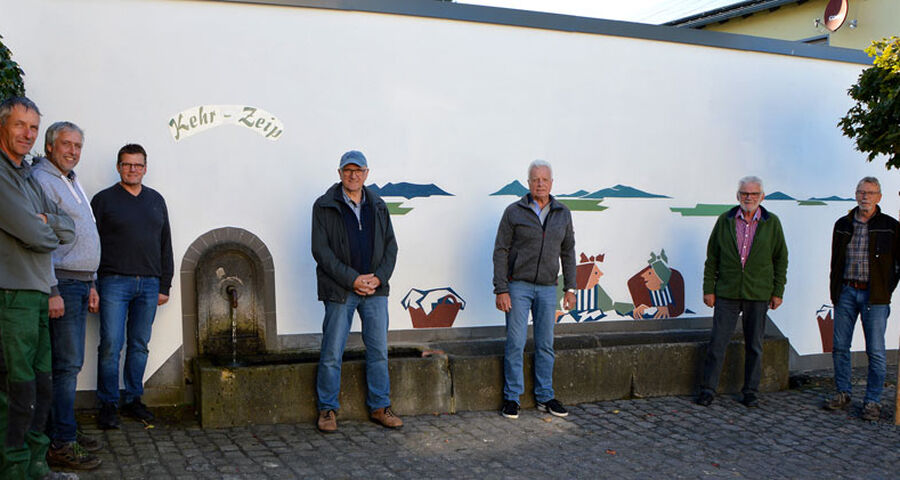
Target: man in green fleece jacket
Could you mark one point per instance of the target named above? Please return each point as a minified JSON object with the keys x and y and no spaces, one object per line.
{"x":745,"y":273}
{"x":31,"y":227}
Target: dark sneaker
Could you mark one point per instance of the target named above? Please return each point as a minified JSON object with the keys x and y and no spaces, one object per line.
{"x":386,"y":417}
{"x":327,"y":422}
{"x":839,"y":401}
{"x":71,"y":456}
{"x":750,"y":400}
{"x":108,"y":418}
{"x":137,"y":410}
{"x":510,"y":409}
{"x":871,"y":411}
{"x":87,"y":442}
{"x":705,"y":398}
{"x":553,"y":407}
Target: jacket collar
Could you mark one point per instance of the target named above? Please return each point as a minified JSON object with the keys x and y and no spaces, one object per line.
{"x":335,"y":197}
{"x":525,"y":201}
{"x":851,"y":215}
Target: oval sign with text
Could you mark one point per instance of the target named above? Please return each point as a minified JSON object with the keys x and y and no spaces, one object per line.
{"x":836,"y":14}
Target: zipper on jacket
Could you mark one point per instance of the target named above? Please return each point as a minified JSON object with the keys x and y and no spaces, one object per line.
{"x":543,"y":237}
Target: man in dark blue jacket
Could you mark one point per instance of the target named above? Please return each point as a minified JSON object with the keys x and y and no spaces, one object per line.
{"x":355,"y":250}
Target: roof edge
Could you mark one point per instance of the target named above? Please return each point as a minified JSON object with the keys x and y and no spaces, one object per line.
{"x":728,"y":12}
{"x":569,"y":23}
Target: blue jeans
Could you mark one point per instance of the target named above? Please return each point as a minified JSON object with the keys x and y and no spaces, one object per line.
{"x":67,"y":348}
{"x":852,"y":303}
{"x":540,"y":301}
{"x":127,"y":307}
{"x":373,"y":312}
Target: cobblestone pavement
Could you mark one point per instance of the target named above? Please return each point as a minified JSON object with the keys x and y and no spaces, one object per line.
{"x":789,"y":436}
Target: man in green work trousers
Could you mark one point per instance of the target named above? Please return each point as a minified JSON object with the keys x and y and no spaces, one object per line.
{"x":31,"y":227}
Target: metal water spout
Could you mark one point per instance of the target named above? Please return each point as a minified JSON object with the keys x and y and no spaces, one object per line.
{"x":233,"y":296}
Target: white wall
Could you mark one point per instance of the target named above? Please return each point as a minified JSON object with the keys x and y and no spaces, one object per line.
{"x":463,"y":105}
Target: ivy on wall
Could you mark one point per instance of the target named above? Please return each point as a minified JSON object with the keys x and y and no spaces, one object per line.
{"x":11,"y":83}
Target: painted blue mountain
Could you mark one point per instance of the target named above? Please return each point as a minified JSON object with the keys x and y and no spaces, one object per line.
{"x":408,"y":190}
{"x":779,"y":196}
{"x":579,"y":193}
{"x":833,"y":198}
{"x":623,"y":191}
{"x":513,"y":188}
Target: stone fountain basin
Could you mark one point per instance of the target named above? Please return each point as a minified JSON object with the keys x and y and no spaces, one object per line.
{"x":453,"y":376}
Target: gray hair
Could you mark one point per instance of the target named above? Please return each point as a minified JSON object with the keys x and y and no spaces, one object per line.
{"x":6,"y":107}
{"x":539,"y":164}
{"x":751,"y":179}
{"x":872,"y":180}
{"x":54,"y":130}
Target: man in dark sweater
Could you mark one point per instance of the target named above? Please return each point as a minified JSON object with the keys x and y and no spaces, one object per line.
{"x":134,"y":277}
{"x":355,"y":250}
{"x":744,"y":276}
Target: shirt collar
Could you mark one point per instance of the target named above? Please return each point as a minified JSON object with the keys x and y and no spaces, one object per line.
{"x":350,"y":201}
{"x":756,"y":215}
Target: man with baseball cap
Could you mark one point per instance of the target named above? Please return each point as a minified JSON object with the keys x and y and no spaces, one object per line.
{"x":355,"y":250}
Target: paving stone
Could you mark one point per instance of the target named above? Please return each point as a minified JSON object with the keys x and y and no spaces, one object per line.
{"x":788,"y":436}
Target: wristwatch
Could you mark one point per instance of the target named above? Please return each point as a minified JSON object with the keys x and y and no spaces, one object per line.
{"x":570,"y":290}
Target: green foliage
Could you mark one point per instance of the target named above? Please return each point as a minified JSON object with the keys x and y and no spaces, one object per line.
{"x":11,"y":84}
{"x":874,"y":121}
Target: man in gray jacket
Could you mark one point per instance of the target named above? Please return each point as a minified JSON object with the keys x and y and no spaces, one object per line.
{"x":30,"y":228}
{"x":75,"y":267}
{"x":355,"y":250}
{"x":535,"y":233}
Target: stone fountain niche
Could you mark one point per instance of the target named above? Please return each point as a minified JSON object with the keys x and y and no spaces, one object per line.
{"x":226,"y":274}
{"x":230,"y":308}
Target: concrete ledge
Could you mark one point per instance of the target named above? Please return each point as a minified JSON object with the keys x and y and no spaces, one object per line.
{"x":469,"y":376}
{"x":286,"y":393}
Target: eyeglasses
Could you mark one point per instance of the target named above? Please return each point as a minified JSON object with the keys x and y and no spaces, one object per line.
{"x":750,"y":194}
{"x":353,"y":171}
{"x":863,"y":193}
{"x":131,"y":166}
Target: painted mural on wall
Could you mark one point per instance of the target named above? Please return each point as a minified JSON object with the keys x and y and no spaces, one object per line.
{"x":656,"y":290}
{"x":420,"y":118}
{"x":825,"y":320}
{"x":582,"y":200}
{"x":433,"y":308}
{"x":716,"y":209}
{"x":391,"y":192}
{"x":592,"y":303}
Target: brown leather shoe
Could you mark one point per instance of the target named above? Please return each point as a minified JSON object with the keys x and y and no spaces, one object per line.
{"x":386,"y":417}
{"x":327,"y":422}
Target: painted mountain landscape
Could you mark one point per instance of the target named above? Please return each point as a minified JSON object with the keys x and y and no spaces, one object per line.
{"x":408,"y":191}
{"x":711,"y":210}
{"x":582,"y":200}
